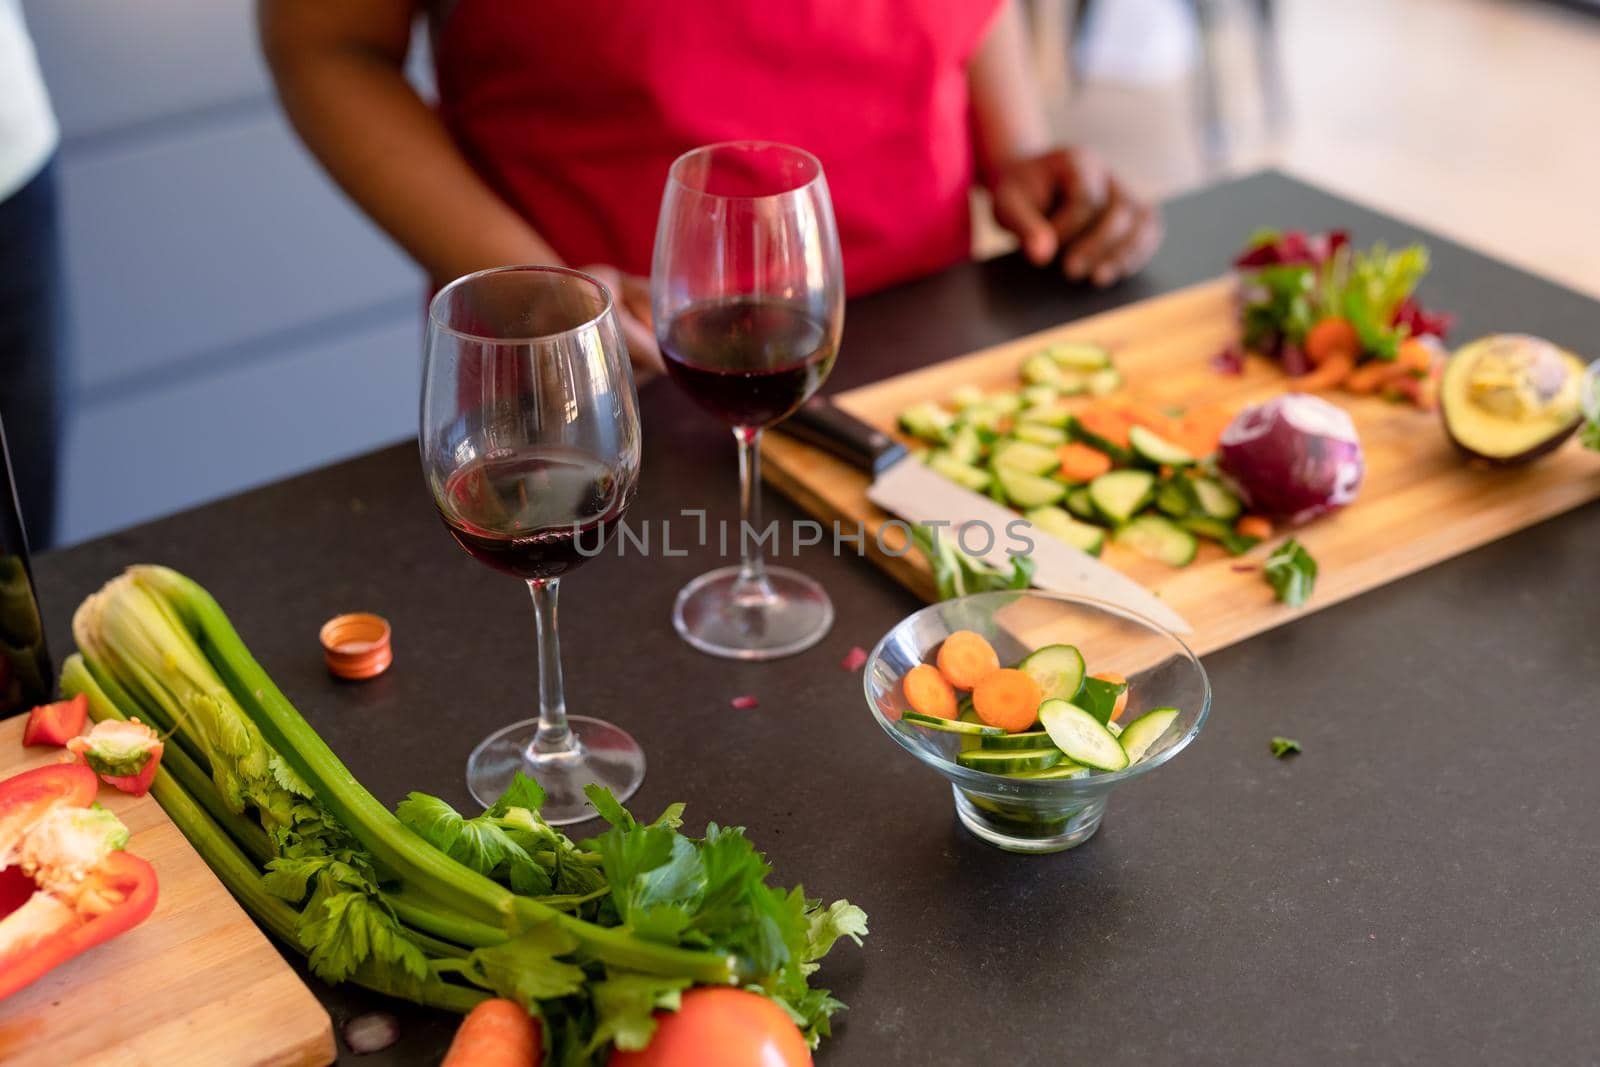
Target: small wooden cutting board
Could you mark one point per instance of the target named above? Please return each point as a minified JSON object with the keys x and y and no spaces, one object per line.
{"x":195,"y":983}
{"x":1419,"y":504}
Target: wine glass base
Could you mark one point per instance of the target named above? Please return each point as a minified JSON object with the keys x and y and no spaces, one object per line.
{"x":605,"y":754}
{"x":715,"y":616}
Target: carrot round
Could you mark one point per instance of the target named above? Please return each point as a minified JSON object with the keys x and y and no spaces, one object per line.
{"x":1122,"y":698}
{"x":1258,"y":526}
{"x":965,"y":659}
{"x":1331,"y":337}
{"x":1081,"y":463}
{"x":497,"y":1033}
{"x":1008,"y":699}
{"x":1106,"y":424}
{"x":928,"y":693}
{"x":1416,"y":354}
{"x":1199,"y":430}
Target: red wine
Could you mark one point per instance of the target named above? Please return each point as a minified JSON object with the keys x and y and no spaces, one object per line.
{"x":749,"y":361}
{"x":532,"y":512}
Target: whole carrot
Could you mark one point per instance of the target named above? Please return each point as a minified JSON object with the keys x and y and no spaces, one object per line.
{"x":497,"y":1033}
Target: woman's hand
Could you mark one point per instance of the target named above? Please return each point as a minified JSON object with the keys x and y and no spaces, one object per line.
{"x":631,"y":300}
{"x":1066,"y":202}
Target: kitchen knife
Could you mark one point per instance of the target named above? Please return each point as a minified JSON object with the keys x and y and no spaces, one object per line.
{"x":904,"y":486}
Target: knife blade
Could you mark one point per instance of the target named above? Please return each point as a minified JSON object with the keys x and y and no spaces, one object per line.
{"x":904,"y":486}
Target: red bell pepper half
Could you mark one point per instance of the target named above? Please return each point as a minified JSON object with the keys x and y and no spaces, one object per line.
{"x":123,"y":886}
{"x":58,"y":723}
{"x":25,"y":797}
{"x":124,"y":754}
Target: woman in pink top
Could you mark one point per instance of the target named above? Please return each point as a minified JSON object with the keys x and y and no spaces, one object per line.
{"x":557,"y":121}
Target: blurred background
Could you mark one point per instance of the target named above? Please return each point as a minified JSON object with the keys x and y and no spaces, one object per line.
{"x":232,"y":319}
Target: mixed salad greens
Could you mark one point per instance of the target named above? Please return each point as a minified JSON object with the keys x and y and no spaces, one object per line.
{"x":1084,"y":463}
{"x":425,"y":903}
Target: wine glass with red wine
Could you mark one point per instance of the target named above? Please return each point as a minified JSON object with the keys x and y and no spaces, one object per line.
{"x":747,"y":294}
{"x":530,"y":446}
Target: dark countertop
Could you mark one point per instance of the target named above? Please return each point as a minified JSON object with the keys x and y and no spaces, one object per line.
{"x":1420,"y":885}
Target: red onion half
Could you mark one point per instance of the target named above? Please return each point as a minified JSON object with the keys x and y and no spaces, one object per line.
{"x":1294,"y":457}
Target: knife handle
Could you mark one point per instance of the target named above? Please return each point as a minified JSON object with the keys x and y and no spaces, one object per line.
{"x":832,"y":429}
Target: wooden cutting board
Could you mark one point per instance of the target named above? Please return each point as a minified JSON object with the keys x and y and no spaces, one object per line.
{"x":1420,"y":502}
{"x":195,"y":983}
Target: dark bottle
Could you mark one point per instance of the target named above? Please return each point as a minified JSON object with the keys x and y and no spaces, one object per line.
{"x":26,"y":679}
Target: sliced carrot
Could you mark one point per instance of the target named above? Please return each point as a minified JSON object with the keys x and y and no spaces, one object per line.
{"x":1416,"y":355}
{"x":965,"y":659}
{"x":1331,"y":337}
{"x":1333,"y":370}
{"x":1258,"y":526}
{"x":928,"y":693}
{"x":1082,"y":463}
{"x":1122,"y":698}
{"x":1008,"y":699}
{"x":1199,"y":430}
{"x":497,"y":1033}
{"x":1369,"y":377}
{"x":1149,"y":416}
{"x":1106,"y":423}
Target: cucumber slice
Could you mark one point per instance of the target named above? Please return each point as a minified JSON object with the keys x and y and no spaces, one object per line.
{"x":1157,"y":450}
{"x":1059,"y":524}
{"x":1008,"y":403}
{"x":1058,"y":670}
{"x":1120,"y":495}
{"x":1053,"y":415}
{"x":961,"y":473}
{"x":1028,"y":490}
{"x":1036,"y":433}
{"x":1080,"y":505}
{"x":1040,"y":369}
{"x":1159,"y":539}
{"x":982,"y":416}
{"x":1172,"y":496}
{"x":1038,"y":396}
{"x":1236,"y":544}
{"x":1027,"y":739}
{"x":949,"y":726}
{"x":1103,"y":382}
{"x":1080,"y":736}
{"x":1099,"y":697}
{"x":1215,"y":499}
{"x":1145,"y":731}
{"x":965,"y":445}
{"x":1065,"y":769}
{"x":1026,"y":457}
{"x":930,"y":422}
{"x":1072,"y":382}
{"x":1010,"y":761}
{"x":965,"y":396}
{"x":1115,"y":728}
{"x":1075,"y":355}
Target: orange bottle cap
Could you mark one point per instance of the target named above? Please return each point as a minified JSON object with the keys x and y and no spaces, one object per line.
{"x":356,"y":646}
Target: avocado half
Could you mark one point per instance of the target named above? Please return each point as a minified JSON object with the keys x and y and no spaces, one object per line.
{"x":1510,"y":398}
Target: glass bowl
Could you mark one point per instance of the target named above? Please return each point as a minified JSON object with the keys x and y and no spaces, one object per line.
{"x":1048,"y":815}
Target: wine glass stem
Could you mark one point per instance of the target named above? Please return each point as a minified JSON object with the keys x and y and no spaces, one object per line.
{"x":752,"y":567}
{"x":553,"y":736}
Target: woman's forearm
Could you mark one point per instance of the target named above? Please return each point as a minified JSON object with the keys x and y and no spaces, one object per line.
{"x":339,"y":72}
{"x":1007,"y":114}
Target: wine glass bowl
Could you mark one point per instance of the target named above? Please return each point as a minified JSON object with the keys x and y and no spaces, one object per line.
{"x":530,"y":443}
{"x":747,"y":297}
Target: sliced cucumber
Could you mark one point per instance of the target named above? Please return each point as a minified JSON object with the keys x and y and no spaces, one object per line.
{"x":1215,"y":499}
{"x":1073,"y":382}
{"x":961,"y":473}
{"x":965,"y":445}
{"x":1236,"y":544}
{"x":1038,"y":396}
{"x":965,"y":396}
{"x":1040,"y":369}
{"x":1145,"y":731}
{"x":1010,"y":761}
{"x":1103,"y":382}
{"x":1080,"y":736}
{"x":1114,"y":727}
{"x":1065,"y":769}
{"x":1026,"y":457}
{"x":1157,"y":450}
{"x":1059,"y":524}
{"x":1099,"y":697}
{"x":948,"y":726}
{"x":1029,"y":490}
{"x":1075,"y":355}
{"x":1027,"y":739}
{"x":1008,"y":403}
{"x":1159,"y":539}
{"x":1037,"y":433}
{"x":983,"y":417}
{"x":1058,"y":670}
{"x":1053,"y":415}
{"x":1120,"y":495}
{"x":930,"y":422}
{"x":1080,"y":505}
{"x":1172,"y":496}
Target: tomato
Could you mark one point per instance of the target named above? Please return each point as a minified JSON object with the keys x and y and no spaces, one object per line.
{"x":56,"y":724}
{"x":26,"y":796}
{"x":719,"y":1026}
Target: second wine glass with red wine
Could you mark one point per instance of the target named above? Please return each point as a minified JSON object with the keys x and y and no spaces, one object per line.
{"x":747,"y":294}
{"x":530,"y":445}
